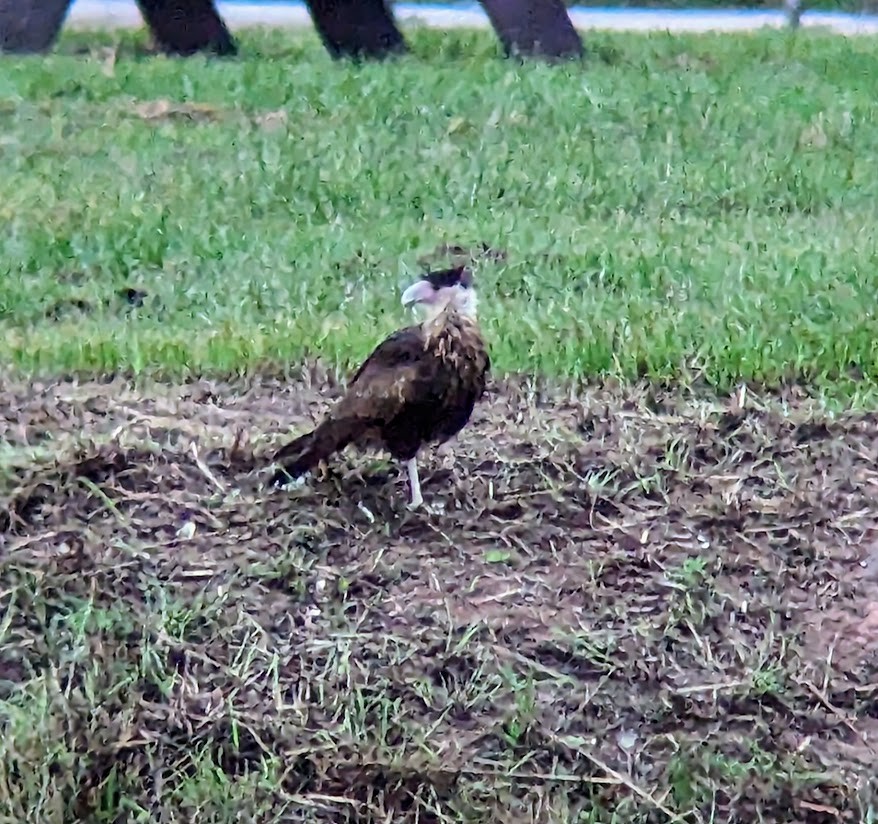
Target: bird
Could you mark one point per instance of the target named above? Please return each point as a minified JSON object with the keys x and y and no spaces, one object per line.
{"x":419,"y":386}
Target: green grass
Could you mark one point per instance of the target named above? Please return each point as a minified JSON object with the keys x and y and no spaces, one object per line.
{"x":678,"y":205}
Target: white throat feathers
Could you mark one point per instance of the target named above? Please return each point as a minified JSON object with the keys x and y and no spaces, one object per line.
{"x":459,"y":299}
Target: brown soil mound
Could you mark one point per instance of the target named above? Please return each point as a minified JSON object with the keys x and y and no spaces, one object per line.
{"x":623,"y":604}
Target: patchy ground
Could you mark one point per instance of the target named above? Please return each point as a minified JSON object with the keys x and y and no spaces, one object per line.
{"x":625,"y":603}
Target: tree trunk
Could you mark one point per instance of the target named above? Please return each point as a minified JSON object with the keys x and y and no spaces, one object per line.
{"x":30,"y":25}
{"x":184,"y":27}
{"x":534,"y":28}
{"x":356,"y":28}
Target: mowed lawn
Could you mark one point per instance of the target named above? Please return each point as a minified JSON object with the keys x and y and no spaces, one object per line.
{"x":678,"y":207}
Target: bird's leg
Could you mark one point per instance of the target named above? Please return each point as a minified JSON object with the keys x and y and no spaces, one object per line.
{"x":414,"y":482}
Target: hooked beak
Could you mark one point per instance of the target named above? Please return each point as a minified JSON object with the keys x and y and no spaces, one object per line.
{"x":420,"y":292}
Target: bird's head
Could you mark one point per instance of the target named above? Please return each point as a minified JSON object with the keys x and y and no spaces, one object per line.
{"x":443,"y":289}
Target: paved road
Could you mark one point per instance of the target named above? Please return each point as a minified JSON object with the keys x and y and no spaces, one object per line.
{"x":124,"y":13}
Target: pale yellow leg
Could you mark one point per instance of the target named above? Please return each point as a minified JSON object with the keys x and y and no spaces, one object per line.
{"x":414,"y":483}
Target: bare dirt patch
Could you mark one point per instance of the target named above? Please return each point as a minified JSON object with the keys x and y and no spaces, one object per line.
{"x":627,"y":603}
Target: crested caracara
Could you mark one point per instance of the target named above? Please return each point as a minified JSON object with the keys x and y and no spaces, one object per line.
{"x":418,"y":386}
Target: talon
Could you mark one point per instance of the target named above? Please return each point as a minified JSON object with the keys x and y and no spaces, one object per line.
{"x":429,"y":509}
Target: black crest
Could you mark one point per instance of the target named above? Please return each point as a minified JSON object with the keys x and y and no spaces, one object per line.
{"x":443,"y":278}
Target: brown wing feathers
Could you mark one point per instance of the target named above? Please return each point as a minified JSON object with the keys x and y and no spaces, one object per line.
{"x":377,"y":392}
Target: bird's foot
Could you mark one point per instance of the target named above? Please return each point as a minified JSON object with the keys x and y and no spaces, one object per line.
{"x":429,"y":509}
{"x":282,"y":480}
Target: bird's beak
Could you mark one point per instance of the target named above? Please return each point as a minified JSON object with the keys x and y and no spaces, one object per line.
{"x":420,"y":292}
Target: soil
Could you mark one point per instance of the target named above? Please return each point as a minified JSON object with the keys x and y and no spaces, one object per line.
{"x":622,"y":601}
